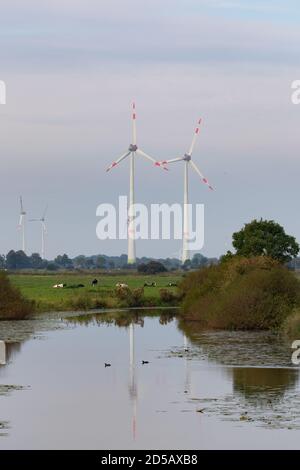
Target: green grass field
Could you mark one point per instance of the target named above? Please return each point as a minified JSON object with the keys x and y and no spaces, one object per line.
{"x":39,"y":287}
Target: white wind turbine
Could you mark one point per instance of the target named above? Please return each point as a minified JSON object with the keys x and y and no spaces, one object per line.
{"x":133,"y":149}
{"x":21,"y":225}
{"x":42,"y":221}
{"x":188,"y":162}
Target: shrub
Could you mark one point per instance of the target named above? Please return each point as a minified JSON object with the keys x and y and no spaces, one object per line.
{"x":240,"y":293}
{"x":153,"y":267}
{"x":81,"y":302}
{"x":130,"y":298}
{"x":13,"y":306}
{"x":168,"y":297}
{"x":291,"y":326}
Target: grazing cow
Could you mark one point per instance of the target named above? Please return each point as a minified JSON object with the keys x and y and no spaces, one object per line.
{"x":150,"y":284}
{"x":121,"y":285}
{"x":75,"y":286}
{"x":172,"y":284}
{"x":59,"y":286}
{"x":94,"y":282}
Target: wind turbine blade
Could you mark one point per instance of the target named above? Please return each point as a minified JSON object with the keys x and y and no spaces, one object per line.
{"x":196,"y":133}
{"x":194,"y":166}
{"x":20,"y":221}
{"x":133,"y":124}
{"x":156,"y":163}
{"x":140,"y":152}
{"x":21,"y":204}
{"x":45,"y":212}
{"x":118,"y":161}
{"x":34,"y":220}
{"x":173,"y":160}
{"x":44,"y":227}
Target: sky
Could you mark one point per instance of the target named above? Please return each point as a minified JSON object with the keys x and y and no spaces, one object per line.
{"x":72,"y":70}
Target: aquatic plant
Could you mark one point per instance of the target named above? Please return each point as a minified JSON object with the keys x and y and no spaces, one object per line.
{"x":13,"y":306}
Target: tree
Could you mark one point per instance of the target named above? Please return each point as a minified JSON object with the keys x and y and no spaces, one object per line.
{"x":2,"y":262}
{"x":79,"y":262}
{"x":36,"y":261}
{"x":17,"y":260}
{"x":153,"y":267}
{"x":265,"y":238}
{"x":100,"y":262}
{"x":63,"y":261}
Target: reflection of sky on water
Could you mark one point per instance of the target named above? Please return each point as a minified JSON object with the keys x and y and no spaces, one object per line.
{"x":72,"y":401}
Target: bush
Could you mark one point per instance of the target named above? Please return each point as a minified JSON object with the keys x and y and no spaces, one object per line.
{"x":153,"y":267}
{"x":13,"y":306}
{"x":81,"y":302}
{"x":291,"y":326}
{"x":130,"y":298}
{"x":168,"y":297}
{"x":240,"y":293}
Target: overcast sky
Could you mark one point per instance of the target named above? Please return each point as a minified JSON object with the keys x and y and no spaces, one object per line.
{"x":72,"y":69}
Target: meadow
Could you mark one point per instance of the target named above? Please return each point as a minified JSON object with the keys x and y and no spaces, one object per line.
{"x":39,"y":287}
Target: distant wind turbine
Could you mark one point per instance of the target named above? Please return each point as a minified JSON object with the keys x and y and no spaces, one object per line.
{"x":188,"y":162}
{"x":21,"y":225}
{"x":42,"y":221}
{"x":133,"y":149}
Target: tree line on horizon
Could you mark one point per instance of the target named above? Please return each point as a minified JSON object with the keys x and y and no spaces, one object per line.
{"x":18,"y":260}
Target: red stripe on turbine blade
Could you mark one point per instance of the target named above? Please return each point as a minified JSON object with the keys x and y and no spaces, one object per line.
{"x":205,"y":180}
{"x":133,"y":116}
{"x":133,"y":105}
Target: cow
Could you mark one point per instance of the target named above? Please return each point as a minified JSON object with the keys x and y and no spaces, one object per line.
{"x":121,"y":285}
{"x":59,"y":286}
{"x":172,"y":284}
{"x":94,"y":282}
{"x":150,"y":284}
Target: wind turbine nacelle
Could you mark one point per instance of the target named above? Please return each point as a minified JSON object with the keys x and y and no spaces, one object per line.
{"x":132,"y":148}
{"x":187,"y":157}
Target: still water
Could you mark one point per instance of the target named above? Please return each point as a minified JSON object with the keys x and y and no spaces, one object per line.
{"x":199,"y":390}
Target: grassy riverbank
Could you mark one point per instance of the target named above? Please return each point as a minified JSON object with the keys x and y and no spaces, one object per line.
{"x":39,"y":287}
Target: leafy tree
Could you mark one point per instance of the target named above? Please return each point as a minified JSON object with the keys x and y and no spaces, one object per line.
{"x":198,"y":260}
{"x":100,"y":262}
{"x":36,"y":261}
{"x":153,"y":267}
{"x":17,"y":260}
{"x":79,"y":262}
{"x":265,"y":238}
{"x":187,"y":265}
{"x":2,"y":262}
{"x":63,"y":261}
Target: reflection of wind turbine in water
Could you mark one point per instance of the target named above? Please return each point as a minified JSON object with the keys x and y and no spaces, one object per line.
{"x":132,"y":379}
{"x":187,"y":383}
{"x":2,"y":353}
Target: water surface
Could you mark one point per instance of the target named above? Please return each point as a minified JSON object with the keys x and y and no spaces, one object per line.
{"x":200,"y":390}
